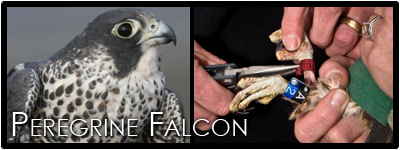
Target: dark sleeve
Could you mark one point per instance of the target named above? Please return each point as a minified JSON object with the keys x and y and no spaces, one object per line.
{"x":238,"y":35}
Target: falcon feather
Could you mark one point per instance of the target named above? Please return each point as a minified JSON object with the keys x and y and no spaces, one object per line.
{"x":109,"y":73}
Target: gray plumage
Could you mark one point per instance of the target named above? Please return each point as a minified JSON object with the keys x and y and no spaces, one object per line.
{"x":25,"y":85}
{"x":173,"y":111}
{"x":109,"y":71}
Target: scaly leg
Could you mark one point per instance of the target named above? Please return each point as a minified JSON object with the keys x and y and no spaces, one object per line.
{"x":305,"y":51}
{"x":263,"y":88}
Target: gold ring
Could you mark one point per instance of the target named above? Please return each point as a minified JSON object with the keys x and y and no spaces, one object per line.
{"x":352,"y":23}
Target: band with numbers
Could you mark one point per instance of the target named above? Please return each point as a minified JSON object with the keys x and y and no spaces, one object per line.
{"x":296,"y":90}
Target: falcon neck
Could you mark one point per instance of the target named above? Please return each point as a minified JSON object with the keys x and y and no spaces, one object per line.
{"x":148,"y":64}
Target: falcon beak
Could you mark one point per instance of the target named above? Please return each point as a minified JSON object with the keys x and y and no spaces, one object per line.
{"x":162,"y":34}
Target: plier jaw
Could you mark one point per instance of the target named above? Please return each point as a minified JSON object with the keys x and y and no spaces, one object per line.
{"x":228,"y":75}
{"x":218,"y":73}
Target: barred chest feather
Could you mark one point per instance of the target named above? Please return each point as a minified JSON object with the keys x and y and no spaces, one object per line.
{"x":86,"y":89}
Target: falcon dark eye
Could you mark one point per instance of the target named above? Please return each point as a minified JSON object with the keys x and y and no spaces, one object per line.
{"x":124,"y":30}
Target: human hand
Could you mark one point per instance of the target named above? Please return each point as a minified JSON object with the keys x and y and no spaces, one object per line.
{"x":210,"y":99}
{"x":322,"y":25}
{"x":377,"y":55}
{"x":325,"y":122}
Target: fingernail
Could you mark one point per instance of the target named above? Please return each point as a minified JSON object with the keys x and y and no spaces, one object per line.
{"x":335,"y":77}
{"x":339,"y":98}
{"x":291,"y":42}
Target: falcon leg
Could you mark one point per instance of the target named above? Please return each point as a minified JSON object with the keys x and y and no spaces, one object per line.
{"x":264,"y":96}
{"x":257,"y":88}
{"x":266,"y":88}
{"x":305,"y":51}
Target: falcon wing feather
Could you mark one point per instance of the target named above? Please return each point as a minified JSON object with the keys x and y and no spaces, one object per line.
{"x":22,"y":93}
{"x":172,"y":112}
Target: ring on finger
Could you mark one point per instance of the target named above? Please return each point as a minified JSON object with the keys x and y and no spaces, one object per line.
{"x":352,"y":24}
{"x":368,"y":26}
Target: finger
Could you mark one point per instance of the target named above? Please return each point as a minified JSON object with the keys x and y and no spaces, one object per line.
{"x":365,"y":50}
{"x":205,"y":57}
{"x":377,"y":55}
{"x":387,"y":13}
{"x":204,"y":60}
{"x":292,"y":27}
{"x":202,"y":113}
{"x":380,"y":66}
{"x":336,"y":68}
{"x":345,"y":131}
{"x":324,"y":22}
{"x":345,"y":38}
{"x":316,"y":123}
{"x":209,"y":94}
{"x":362,"y":138}
{"x":356,"y":53}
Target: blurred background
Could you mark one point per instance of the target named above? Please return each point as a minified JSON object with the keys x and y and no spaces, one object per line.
{"x":37,"y":33}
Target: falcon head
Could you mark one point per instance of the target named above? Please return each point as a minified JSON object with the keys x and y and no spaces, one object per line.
{"x":130,"y":27}
{"x":126,"y":35}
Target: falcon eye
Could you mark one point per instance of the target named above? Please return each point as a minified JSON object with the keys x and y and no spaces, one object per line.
{"x":124,"y":30}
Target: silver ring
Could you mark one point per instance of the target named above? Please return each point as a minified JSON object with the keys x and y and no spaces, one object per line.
{"x":368,"y":26}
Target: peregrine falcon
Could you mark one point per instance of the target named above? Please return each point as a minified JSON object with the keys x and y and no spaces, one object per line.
{"x":107,"y":76}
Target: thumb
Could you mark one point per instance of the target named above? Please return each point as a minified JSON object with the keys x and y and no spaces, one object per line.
{"x":336,"y":69}
{"x":292,"y":27}
{"x":209,"y":94}
{"x":316,"y":123}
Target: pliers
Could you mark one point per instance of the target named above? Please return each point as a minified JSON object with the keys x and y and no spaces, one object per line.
{"x":228,"y":75}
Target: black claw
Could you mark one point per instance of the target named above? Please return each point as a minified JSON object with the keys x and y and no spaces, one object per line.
{"x":239,"y":113}
{"x":242,"y":111}
{"x":250,"y":108}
